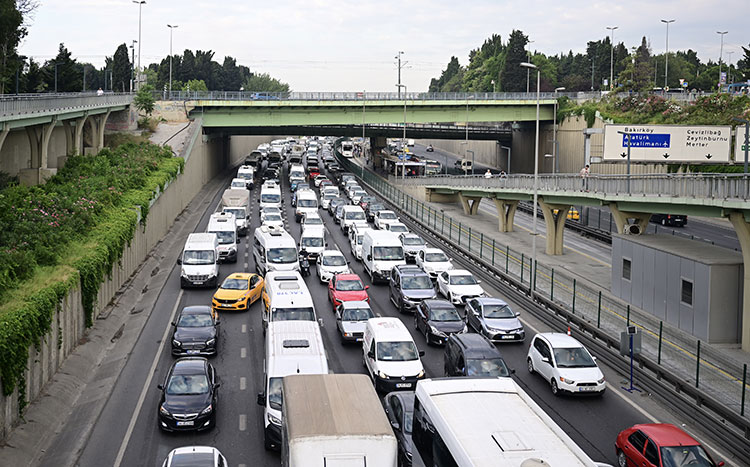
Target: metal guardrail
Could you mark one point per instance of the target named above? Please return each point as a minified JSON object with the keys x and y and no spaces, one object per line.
{"x":472,"y":97}
{"x":712,"y":186}
{"x":24,"y":104}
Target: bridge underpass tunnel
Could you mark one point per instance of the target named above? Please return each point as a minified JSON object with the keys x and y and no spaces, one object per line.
{"x":554,"y":220}
{"x":623,"y":218}
{"x":506,"y":212}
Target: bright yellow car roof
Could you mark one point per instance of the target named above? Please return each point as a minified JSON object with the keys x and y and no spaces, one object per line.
{"x":240,"y":275}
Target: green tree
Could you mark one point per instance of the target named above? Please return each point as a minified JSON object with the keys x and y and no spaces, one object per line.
{"x":121,"y":70}
{"x":743,"y":64}
{"x":263,"y":82}
{"x":453,"y":69}
{"x":638,"y":74}
{"x":194,"y":85}
{"x":33,"y":80}
{"x":144,"y":99}
{"x":64,"y":70}
{"x":12,"y":31}
{"x":512,"y":76}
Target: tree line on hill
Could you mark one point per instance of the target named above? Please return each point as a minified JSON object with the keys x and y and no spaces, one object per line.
{"x":634,"y":69}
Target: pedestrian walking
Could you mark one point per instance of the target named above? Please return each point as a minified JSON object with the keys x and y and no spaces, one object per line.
{"x":503,"y":175}
{"x":488,"y":174}
{"x":100,"y":92}
{"x":584,"y":173}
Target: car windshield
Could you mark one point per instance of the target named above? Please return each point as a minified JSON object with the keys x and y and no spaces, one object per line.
{"x":435,"y":257}
{"x":574,"y":357}
{"x":235,"y":284}
{"x":486,"y":367}
{"x":463,"y":279}
{"x":192,"y":459}
{"x":293,"y":314}
{"x":350,"y":285}
{"x":398,"y":228}
{"x":312,"y":242}
{"x":275,"y":398}
{"x":271,"y":197}
{"x":198,"y":257}
{"x":357,"y":314}
{"x":413,"y":241}
{"x":271,"y":217}
{"x":683,"y":456}
{"x":355,"y":216}
{"x":416,"y":282}
{"x":387,"y":215}
{"x":330,"y":196}
{"x":388,"y":253}
{"x":397,"y":351}
{"x":184,"y":385}
{"x":282,"y":255}
{"x":238,"y":183}
{"x":307,"y":203}
{"x":444,"y":314}
{"x":497,"y":311}
{"x":239,"y":213}
{"x":225,"y":236}
{"x":271,"y":210}
{"x":334,"y":260}
{"x":195,"y":320}
{"x":375,"y":207}
{"x":303,"y":186}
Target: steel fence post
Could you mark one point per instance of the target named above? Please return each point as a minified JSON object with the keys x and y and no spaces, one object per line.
{"x":481,"y":244}
{"x":507,"y":258}
{"x":523,"y":266}
{"x":442,"y":223}
{"x":552,"y":286}
{"x":744,"y":387}
{"x":533,"y":266}
{"x":599,"y":312}
{"x":574,"y":295}
{"x":450,"y":230}
{"x":658,"y":354}
{"x":459,"y":233}
{"x":493,"y":251}
{"x":469,"y":245}
{"x":628,"y":315}
{"x":698,"y":364}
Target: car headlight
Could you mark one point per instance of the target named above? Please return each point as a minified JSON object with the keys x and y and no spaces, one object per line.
{"x":566,"y":380}
{"x":420,"y":374}
{"x":211,"y":341}
{"x":273,"y":419}
{"x":382,"y":375}
{"x":176,"y":343}
{"x":207,"y":410}
{"x":601,"y":381}
{"x":163,"y":411}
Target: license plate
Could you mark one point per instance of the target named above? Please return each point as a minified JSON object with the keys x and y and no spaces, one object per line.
{"x":187,"y":423}
{"x":359,"y":339}
{"x":587,"y":388}
{"x":508,"y":336}
{"x":193,"y":352}
{"x":403,"y":385}
{"x":198,"y":282}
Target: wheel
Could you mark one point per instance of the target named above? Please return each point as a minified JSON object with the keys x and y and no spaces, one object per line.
{"x":401,"y":308}
{"x":427,"y":335}
{"x":267,"y":443}
{"x":555,"y":389}
{"x":622,"y":461}
{"x":530,"y":365}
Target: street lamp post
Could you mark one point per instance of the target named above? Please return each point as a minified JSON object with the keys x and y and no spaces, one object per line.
{"x":625,"y":133}
{"x":466,"y":141}
{"x":493,"y":86}
{"x":612,"y":57}
{"x":171,"y":29}
{"x":729,"y":66}
{"x":140,"y":4}
{"x":132,"y":65}
{"x":531,"y":66}
{"x":398,"y":57}
{"x":721,"y":51}
{"x":666,"y":54}
{"x":363,"y":124}
{"x":528,"y":57}
{"x":403,"y":163}
{"x":555,"y":168}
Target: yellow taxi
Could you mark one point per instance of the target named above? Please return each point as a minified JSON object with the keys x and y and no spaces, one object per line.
{"x":238,"y":291}
{"x":572,"y":214}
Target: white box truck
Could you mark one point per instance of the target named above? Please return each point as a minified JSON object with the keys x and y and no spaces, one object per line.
{"x":334,"y":420}
{"x":381,"y":251}
{"x":237,"y":201}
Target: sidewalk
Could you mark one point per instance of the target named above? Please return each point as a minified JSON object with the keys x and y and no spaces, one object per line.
{"x":580,"y":283}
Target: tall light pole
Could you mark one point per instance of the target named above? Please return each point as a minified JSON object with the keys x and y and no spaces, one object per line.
{"x":721,"y":51}
{"x":628,"y":135}
{"x":729,"y":66}
{"x":531,"y":66}
{"x":528,"y":56}
{"x":666,"y":54}
{"x":555,"y":168}
{"x":132,"y":65}
{"x":398,"y":57}
{"x":171,"y":29}
{"x":466,"y":141}
{"x":612,"y":57}
{"x":493,"y":86}
{"x":140,"y":4}
{"x":403,"y":164}
{"x":363,"y":124}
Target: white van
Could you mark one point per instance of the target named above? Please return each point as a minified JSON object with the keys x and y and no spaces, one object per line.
{"x":391,"y":356}
{"x":381,"y":251}
{"x":237,"y":202}
{"x":350,"y":215}
{"x":199,"y":262}
{"x":248,"y":173}
{"x":356,"y":236}
{"x":329,"y":193}
{"x":238,"y":183}
{"x":313,"y":241}
{"x":306,"y":202}
{"x":270,"y":195}
{"x":286,"y":298}
{"x":274,"y":250}
{"x":347,"y":149}
{"x":296,"y":173}
{"x":224,"y":225}
{"x":292,"y":347}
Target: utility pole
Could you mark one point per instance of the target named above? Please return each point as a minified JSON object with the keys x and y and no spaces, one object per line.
{"x":666,"y":54}
{"x":612,"y":57}
{"x":132,"y":64}
{"x":398,"y":57}
{"x":171,"y":29}
{"x":140,"y":4}
{"x":721,"y":52}
{"x":528,"y":57}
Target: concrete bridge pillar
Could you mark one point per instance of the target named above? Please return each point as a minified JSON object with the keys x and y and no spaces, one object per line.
{"x":470,"y":203}
{"x":622,"y":219}
{"x":434,"y":197}
{"x":742,"y":227}
{"x":78,"y":138}
{"x":3,"y":134}
{"x":98,"y":122}
{"x":39,"y":136}
{"x":555,"y":223}
{"x":506,"y":211}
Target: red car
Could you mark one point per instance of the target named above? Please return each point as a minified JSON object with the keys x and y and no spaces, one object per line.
{"x":660,"y":445}
{"x":347,"y":288}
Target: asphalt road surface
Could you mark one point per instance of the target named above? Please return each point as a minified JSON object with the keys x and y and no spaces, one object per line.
{"x":592,"y":422}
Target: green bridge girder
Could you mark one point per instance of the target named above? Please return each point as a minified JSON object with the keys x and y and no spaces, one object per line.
{"x":228,"y":113}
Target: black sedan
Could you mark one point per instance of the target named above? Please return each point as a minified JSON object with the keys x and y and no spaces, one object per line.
{"x":188,"y":396}
{"x":195,"y":332}
{"x":399,"y":406}
{"x":437,"y":319}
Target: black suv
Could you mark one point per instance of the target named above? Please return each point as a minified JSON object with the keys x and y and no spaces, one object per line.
{"x":409,"y":285}
{"x":473,"y":355}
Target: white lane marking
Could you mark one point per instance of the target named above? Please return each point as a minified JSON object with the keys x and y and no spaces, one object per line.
{"x":243,"y":352}
{"x":245,"y":266}
{"x":146,"y":386}
{"x":242,"y":465}
{"x":243,"y":383}
{"x":246,"y":253}
{"x":244,"y":328}
{"x":243,"y":422}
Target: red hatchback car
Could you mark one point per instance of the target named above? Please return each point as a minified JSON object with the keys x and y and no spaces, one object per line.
{"x":347,"y":288}
{"x":660,"y":445}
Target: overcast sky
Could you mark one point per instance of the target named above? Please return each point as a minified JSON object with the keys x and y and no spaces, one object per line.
{"x":327,"y":45}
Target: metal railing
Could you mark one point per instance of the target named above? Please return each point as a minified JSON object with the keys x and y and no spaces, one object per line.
{"x":24,"y":104}
{"x":351,"y":96}
{"x":711,"y":186}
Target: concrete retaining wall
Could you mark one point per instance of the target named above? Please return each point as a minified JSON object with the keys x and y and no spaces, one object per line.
{"x":204,"y":159}
{"x":486,"y":153}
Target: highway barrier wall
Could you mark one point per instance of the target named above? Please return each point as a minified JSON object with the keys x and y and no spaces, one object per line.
{"x":204,"y":158}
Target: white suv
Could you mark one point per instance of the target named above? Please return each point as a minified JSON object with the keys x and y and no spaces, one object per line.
{"x":433,"y":261}
{"x":565,"y":364}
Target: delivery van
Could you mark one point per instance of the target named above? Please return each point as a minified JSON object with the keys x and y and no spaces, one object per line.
{"x":224,"y":225}
{"x":381,"y":251}
{"x":199,"y":261}
{"x":237,"y":202}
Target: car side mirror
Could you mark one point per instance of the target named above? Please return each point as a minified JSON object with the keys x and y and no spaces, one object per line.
{"x":512,"y":371}
{"x":179,"y":260}
{"x":174,"y":324}
{"x":369,"y":257}
{"x":518,"y":314}
{"x":371,"y":354}
{"x":320,"y":322}
{"x":395,"y":425}
{"x":545,"y":359}
{"x":421,"y":353}
{"x":261,"y":399}
{"x":479,"y":282}
{"x":160,"y":387}
{"x":367,"y":287}
{"x":593,"y":358}
{"x":217,"y":385}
